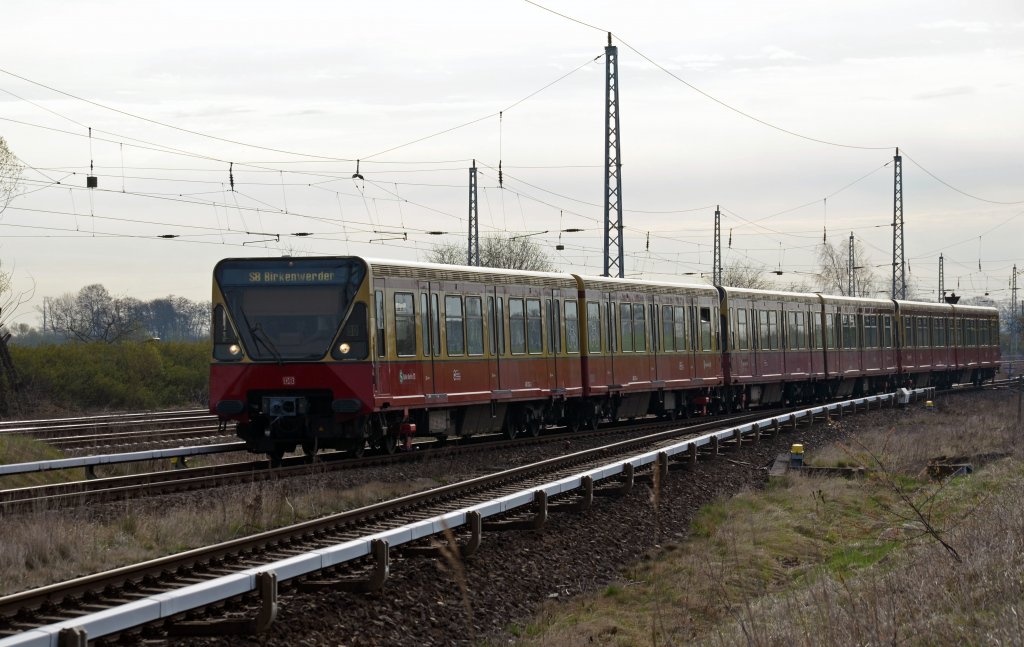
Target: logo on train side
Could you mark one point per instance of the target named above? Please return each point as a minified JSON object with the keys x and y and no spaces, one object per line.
{"x":457,"y":376}
{"x":404,"y":377}
{"x":254,"y":277}
{"x":288,"y":380}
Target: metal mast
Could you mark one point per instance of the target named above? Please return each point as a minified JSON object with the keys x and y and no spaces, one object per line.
{"x":851,"y":285}
{"x":942,"y":280}
{"x":473,"y":257}
{"x":1014,"y":320}
{"x":613,"y":263}
{"x":899,"y":266}
{"x":716,"y":268}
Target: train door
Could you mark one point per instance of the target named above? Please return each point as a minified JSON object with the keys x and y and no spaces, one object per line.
{"x":495,"y":316}
{"x":552,"y":320}
{"x":382,"y":369}
{"x":430,"y":331}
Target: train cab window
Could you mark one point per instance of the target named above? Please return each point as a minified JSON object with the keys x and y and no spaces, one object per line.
{"x":706,"y":338}
{"x":405,"y":324}
{"x":742,"y":341}
{"x":626,"y":326}
{"x":517,"y":326}
{"x":474,"y":326}
{"x":454,"y":327}
{"x":425,"y":324}
{"x":572,"y":327}
{"x":378,"y":300}
{"x":435,"y":324}
{"x":668,"y":342}
{"x":681,"y":335}
{"x":870,"y":331}
{"x":593,"y":327}
{"x":639,"y":328}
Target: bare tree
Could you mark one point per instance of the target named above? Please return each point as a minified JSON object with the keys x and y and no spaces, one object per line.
{"x":10,"y":174}
{"x":93,"y":315}
{"x":516,"y":253}
{"x":746,"y":276}
{"x":834,"y":268}
{"x":10,"y":298}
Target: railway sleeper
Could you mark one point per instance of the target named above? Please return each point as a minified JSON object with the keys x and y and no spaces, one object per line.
{"x":623,"y":488}
{"x":379,"y":550}
{"x":266,"y":583}
{"x":475,"y":523}
{"x":535,"y":522}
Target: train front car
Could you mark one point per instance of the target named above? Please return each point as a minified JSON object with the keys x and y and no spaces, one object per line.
{"x":291,"y":352}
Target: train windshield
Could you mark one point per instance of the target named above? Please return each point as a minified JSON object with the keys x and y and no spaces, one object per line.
{"x":289,"y":309}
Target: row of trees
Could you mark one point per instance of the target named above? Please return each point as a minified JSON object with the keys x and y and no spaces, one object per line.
{"x":94,"y":315}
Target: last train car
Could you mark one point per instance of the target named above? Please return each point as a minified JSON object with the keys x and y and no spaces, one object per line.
{"x":339,"y":352}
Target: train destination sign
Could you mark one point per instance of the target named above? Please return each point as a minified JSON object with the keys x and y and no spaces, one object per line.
{"x":257,"y":274}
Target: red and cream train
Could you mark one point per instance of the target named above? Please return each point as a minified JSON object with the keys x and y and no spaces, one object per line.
{"x":344,"y":351}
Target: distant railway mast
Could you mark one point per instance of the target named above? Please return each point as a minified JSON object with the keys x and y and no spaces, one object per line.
{"x":899,"y":266}
{"x":613,"y":254}
{"x":716,"y":268}
{"x":473,"y":256}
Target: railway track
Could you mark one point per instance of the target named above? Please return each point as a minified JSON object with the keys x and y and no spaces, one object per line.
{"x":76,"y":493}
{"x":24,"y":611}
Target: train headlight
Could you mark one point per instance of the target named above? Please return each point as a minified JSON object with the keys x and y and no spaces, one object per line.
{"x":235,"y":350}
{"x":344,"y":348}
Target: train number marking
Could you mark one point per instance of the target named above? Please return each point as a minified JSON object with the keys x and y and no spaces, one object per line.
{"x":457,"y":376}
{"x":288,"y":380}
{"x":404,"y":377}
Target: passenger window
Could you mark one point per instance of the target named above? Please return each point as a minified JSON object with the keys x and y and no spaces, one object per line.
{"x":500,"y":320}
{"x":705,"y":329}
{"x":682,"y":339}
{"x":593,"y":327}
{"x":453,"y":325}
{"x":639,"y":328}
{"x":572,"y":327}
{"x":534,"y":327}
{"x":667,"y":329}
{"x":517,"y":326}
{"x":626,"y":326}
{"x":491,"y":326}
{"x":474,"y":326}
{"x":405,"y":324}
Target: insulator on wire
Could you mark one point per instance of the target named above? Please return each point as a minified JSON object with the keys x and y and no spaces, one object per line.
{"x":231,"y":175}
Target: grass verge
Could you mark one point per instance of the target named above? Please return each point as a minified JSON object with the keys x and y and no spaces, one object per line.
{"x":892,"y":558}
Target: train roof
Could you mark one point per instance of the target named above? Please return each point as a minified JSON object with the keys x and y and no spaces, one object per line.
{"x":615,"y":283}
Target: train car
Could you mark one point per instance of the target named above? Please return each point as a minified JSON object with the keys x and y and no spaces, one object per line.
{"x":976,"y":340}
{"x":334,"y":352}
{"x":927,"y":348}
{"x":648,"y":347}
{"x":860,"y":344}
{"x":772,"y":348}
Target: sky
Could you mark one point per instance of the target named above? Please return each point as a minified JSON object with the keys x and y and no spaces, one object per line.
{"x":786,"y":114}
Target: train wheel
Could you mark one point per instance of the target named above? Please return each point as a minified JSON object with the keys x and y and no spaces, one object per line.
{"x":533,"y":424}
{"x":310,"y":448}
{"x":389,"y":444}
{"x":357,"y":448}
{"x":511,"y":430}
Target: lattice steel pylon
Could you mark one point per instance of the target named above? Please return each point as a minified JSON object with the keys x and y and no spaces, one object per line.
{"x":851,"y":284}
{"x":473,"y":256}
{"x":613,"y":253}
{"x":942,"y":279}
{"x":716,"y":268}
{"x":899,"y":265}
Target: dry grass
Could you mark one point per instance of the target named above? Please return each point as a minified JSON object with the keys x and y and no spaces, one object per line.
{"x":24,"y":449}
{"x":838,"y":562}
{"x":48,"y":547}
